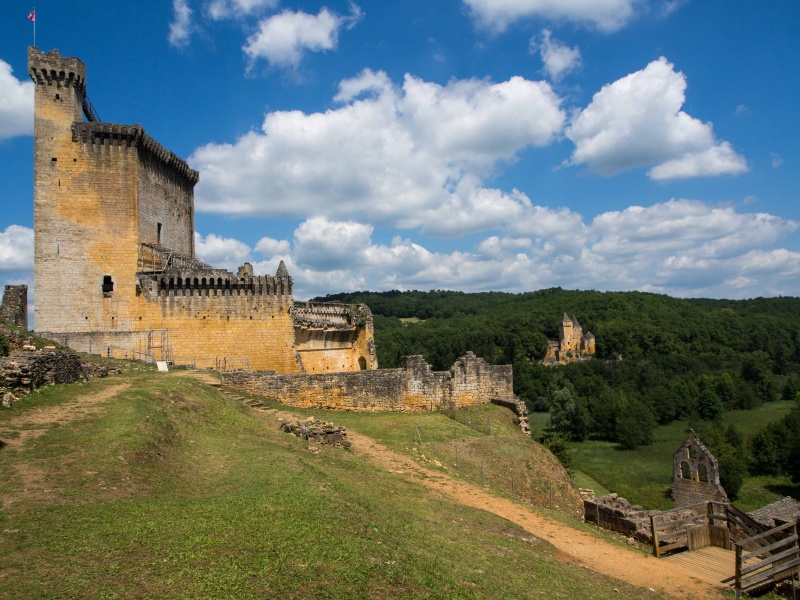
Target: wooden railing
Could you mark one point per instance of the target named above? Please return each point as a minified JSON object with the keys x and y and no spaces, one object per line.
{"x":764,"y":559}
{"x":682,"y":533}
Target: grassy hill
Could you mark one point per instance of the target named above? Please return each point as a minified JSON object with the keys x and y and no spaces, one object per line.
{"x":150,"y":486}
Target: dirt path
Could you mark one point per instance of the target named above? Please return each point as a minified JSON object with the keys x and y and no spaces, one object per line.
{"x":36,"y":421}
{"x":584,"y":548}
{"x":578,"y":546}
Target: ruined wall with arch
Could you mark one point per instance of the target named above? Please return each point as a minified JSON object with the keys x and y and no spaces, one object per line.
{"x":695,"y":474}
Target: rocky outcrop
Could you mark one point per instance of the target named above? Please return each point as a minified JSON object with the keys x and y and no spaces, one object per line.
{"x":319,"y":432}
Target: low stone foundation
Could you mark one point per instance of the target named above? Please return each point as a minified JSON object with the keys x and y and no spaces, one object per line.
{"x":412,"y":388}
{"x":26,"y":370}
{"x":617,"y":514}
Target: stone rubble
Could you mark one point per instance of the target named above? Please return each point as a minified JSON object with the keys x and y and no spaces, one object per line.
{"x":319,"y":432}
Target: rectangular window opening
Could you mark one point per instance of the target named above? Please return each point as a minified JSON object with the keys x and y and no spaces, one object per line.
{"x":108,"y":284}
{"x":158,"y":233}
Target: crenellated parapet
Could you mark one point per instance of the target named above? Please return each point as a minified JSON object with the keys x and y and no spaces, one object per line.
{"x":58,"y":71}
{"x":96,"y":136}
{"x":331,"y":315}
{"x":212,"y":282}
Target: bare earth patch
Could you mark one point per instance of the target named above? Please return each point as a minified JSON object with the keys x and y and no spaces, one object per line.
{"x":36,"y":421}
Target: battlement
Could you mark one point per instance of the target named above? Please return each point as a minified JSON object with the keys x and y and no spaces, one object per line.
{"x":317,"y":315}
{"x":96,"y":136}
{"x":212,"y":282}
{"x":55,"y":70}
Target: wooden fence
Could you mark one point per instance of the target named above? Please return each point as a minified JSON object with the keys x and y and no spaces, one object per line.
{"x":764,"y":556}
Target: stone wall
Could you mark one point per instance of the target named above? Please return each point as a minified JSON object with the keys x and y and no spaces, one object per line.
{"x":412,"y":388}
{"x":695,"y":474}
{"x":26,"y":370}
{"x":14,"y":310}
{"x":617,"y":514}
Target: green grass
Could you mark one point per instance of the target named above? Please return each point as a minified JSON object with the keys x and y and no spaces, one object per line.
{"x":172,"y":490}
{"x":484,"y":446}
{"x":644,"y":475}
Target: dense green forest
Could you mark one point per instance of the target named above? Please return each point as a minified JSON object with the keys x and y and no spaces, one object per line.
{"x":658,"y":358}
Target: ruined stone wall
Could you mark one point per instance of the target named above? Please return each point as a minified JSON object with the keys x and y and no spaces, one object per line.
{"x":615,"y":513}
{"x":25,"y":371}
{"x":14,"y":310}
{"x":332,"y":337}
{"x":695,"y":474}
{"x":412,"y":388}
{"x":474,"y":380}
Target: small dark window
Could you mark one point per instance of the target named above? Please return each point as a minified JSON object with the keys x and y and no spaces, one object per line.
{"x":58,"y":96}
{"x":108,"y":284}
{"x":158,"y":233}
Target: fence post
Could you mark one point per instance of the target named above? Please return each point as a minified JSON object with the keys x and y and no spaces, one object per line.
{"x":512,"y":489}
{"x":551,"y":496}
{"x":456,"y":457}
{"x":654,"y":531}
{"x":738,"y":580}
{"x":482,"y":476}
{"x":490,"y":425}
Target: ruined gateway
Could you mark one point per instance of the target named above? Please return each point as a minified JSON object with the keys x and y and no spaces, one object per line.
{"x":115,"y":271}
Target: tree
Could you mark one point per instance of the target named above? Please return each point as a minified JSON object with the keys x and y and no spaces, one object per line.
{"x":568,"y":417}
{"x":562,"y":450}
{"x":709,"y":406}
{"x":635,"y":425}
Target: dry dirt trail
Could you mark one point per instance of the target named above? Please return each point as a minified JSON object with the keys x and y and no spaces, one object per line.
{"x":577,"y":546}
{"x":583,"y":548}
{"x":36,"y":422}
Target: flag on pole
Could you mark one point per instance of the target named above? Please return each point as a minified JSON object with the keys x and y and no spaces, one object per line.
{"x":32,"y":16}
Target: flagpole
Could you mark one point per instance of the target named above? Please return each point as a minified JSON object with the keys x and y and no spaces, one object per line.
{"x":34,"y":26}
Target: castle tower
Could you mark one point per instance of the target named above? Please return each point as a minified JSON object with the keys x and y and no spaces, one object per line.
{"x":59,"y":240}
{"x":565,"y":334}
{"x":101,"y":190}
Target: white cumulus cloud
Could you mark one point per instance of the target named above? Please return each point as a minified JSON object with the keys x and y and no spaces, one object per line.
{"x":16,"y":104}
{"x":271,"y":247}
{"x":606,"y":15}
{"x":284,"y":38}
{"x":16,"y":249}
{"x":182,"y":27}
{"x":680,"y":247}
{"x":230,"y":9}
{"x":414,"y":156}
{"x":637,"y":120}
{"x":558,"y":58}
{"x":226,"y":253}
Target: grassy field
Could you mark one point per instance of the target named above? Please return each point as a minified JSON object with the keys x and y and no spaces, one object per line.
{"x":172,"y":490}
{"x":483,"y":445}
{"x":644,"y":475}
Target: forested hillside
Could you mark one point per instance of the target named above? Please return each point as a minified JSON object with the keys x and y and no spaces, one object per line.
{"x":658,"y":358}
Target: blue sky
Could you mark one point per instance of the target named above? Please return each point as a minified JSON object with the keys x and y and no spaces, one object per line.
{"x":457,"y":144}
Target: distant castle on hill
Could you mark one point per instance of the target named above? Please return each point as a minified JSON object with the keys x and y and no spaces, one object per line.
{"x":571,"y":345}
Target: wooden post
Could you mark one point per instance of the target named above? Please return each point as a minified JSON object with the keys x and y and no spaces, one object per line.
{"x":737,"y":585}
{"x":656,"y":549}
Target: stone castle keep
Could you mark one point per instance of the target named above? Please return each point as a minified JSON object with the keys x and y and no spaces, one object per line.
{"x":571,"y":344}
{"x":115,"y":271}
